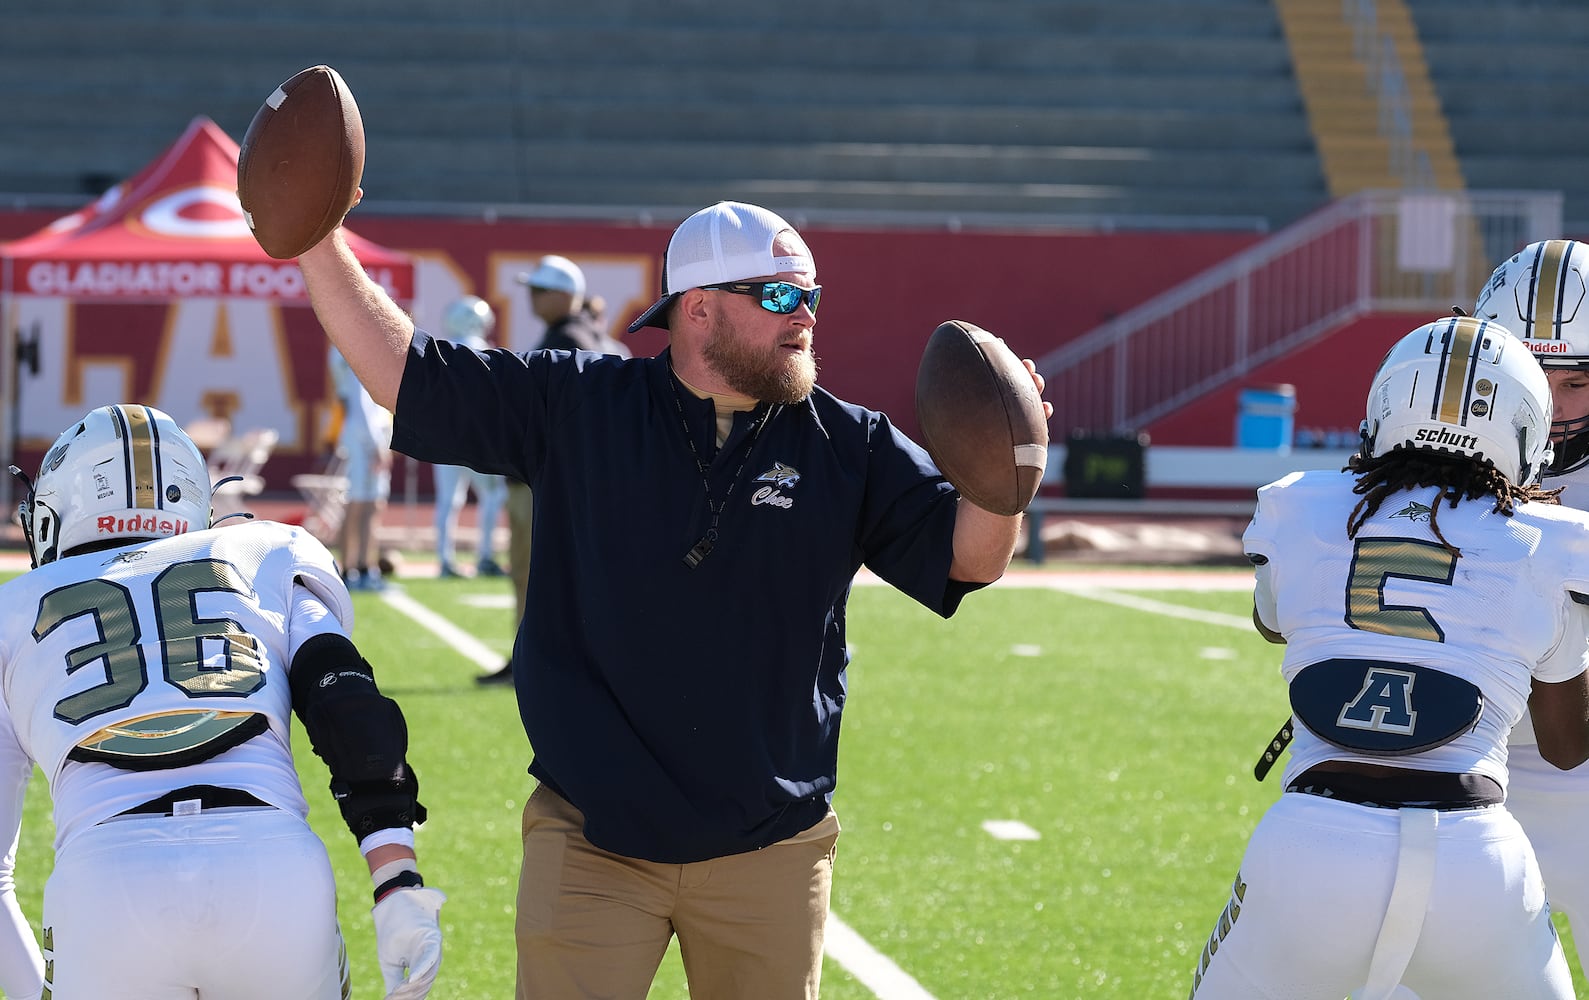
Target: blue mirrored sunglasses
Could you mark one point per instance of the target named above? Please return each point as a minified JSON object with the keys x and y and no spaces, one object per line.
{"x":776,"y":296}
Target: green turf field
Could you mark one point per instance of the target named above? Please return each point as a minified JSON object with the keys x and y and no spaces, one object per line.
{"x":1124,"y":738}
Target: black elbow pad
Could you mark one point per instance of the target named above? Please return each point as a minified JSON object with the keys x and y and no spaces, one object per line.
{"x":358,"y":732}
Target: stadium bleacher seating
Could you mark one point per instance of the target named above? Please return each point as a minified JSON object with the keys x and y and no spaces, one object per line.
{"x":1510,"y":78}
{"x":1164,"y":111}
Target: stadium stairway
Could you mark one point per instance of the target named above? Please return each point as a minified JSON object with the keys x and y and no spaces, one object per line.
{"x":1373,"y":110}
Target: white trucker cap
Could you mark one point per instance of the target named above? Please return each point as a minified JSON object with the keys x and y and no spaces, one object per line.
{"x":730,"y":241}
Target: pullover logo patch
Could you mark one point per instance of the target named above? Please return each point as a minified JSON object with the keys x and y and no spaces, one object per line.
{"x":781,"y":477}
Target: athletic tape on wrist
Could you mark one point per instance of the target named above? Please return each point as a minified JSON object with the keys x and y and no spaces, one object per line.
{"x":402,"y":880}
{"x":400,"y":874}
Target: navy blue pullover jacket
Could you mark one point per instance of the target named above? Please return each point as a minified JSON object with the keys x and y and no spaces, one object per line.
{"x":688,"y":713}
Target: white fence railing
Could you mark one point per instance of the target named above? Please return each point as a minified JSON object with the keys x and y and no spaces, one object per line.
{"x":1377,"y":251}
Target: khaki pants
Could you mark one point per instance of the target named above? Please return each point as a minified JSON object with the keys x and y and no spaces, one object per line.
{"x":595,"y":924}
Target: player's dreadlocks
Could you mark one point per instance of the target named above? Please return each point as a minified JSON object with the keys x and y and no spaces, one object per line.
{"x":1458,"y":478}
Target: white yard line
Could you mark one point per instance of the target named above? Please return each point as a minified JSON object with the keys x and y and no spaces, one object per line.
{"x":1130,"y":579}
{"x":1105,"y":578}
{"x":1151,"y":606}
{"x":467,"y":645}
{"x":876,"y":971}
{"x":1009,"y":829}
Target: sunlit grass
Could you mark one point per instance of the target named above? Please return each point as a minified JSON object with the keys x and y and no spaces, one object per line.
{"x":1108,"y":731}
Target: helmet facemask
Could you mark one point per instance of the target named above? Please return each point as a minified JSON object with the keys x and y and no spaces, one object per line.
{"x":1571,"y":441}
{"x":37,"y":522}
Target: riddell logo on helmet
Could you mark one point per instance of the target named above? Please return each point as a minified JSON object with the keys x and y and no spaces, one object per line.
{"x":1442,"y":436}
{"x":1550,"y":347}
{"x":108,"y":524}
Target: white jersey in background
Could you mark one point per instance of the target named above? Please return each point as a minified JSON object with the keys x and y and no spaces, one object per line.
{"x":1575,"y":494}
{"x":1552,"y":804}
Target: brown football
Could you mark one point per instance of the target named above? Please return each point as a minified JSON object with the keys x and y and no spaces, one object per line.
{"x":981,"y":417}
{"x":301,"y":162}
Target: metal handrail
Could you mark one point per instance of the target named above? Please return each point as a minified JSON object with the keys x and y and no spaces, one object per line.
{"x":1375,"y":251}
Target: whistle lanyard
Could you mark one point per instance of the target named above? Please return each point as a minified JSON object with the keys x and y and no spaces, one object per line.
{"x":703,"y":548}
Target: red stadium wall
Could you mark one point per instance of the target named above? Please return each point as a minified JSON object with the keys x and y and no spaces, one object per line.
{"x":1330,"y":377}
{"x":886,"y":290}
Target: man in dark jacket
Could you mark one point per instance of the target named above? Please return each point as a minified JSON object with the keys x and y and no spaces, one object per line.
{"x":706,"y":511}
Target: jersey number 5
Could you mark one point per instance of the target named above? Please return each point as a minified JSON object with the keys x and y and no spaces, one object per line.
{"x":1375,"y":560}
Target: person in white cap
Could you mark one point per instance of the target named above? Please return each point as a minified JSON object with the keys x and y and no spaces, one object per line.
{"x":573,"y":319}
{"x":365,"y":445}
{"x":556,"y":274}
{"x":683,"y":685}
{"x":573,"y":323}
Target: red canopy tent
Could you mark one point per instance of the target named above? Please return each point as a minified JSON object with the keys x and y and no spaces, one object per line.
{"x":157,"y":293}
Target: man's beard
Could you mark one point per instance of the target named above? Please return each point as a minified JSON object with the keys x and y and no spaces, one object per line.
{"x":770,"y":375}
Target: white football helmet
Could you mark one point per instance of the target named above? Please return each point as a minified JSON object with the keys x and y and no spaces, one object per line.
{"x":121,"y":472}
{"x":468,"y":320}
{"x":1541,"y":294}
{"x":1462,"y":386}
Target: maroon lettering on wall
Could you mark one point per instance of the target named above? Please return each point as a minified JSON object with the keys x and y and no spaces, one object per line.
{"x":886,"y":290}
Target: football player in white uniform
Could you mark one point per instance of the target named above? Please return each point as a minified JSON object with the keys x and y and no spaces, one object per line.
{"x":1425,"y":597}
{"x":1539,"y":294}
{"x":468,"y":320}
{"x":365,"y":444}
{"x":150,"y":666}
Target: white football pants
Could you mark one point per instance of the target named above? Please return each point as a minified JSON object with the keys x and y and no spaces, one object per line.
{"x":230,"y":904}
{"x":1553,"y":806}
{"x":1468,"y":921}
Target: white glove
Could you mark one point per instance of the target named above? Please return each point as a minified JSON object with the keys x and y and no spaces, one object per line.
{"x":408,"y":937}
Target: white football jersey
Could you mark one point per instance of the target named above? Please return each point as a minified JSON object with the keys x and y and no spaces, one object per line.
{"x":160,"y":648}
{"x":1576,"y":483}
{"x":1498,"y":616}
{"x":1575,"y":493}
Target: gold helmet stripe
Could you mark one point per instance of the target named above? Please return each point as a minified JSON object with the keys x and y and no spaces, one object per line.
{"x":143,"y":459}
{"x":1462,"y":339}
{"x":1545,"y":297}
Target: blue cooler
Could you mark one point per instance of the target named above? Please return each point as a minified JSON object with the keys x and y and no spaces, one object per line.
{"x":1265,"y":417}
